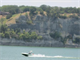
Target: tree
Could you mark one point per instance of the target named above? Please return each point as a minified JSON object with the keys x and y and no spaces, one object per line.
{"x":8,"y":16}
{"x":29,"y":22}
{"x":3,"y":28}
{"x":32,"y":9}
{"x":2,"y":35}
{"x":77,"y":40}
{"x":2,"y":20}
{"x":13,"y":9}
{"x":24,"y":31}
{"x":21,"y":36}
{"x":27,"y":35}
{"x":43,"y":7}
{"x":33,"y":35}
{"x":39,"y":9}
{"x":25,"y":8}
{"x":17,"y":30}
{"x":7,"y":34}
{"x":55,"y":35}
{"x":12,"y":33}
{"x":39,"y":37}
{"x":0,"y":8}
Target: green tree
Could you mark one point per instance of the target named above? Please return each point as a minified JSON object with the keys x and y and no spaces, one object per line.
{"x":12,"y":33}
{"x":0,"y":8}
{"x":24,"y":8}
{"x":39,"y":37}
{"x":7,"y":34}
{"x":2,"y":35}
{"x":2,"y":21}
{"x":21,"y":36}
{"x":55,"y":35}
{"x":33,"y":35}
{"x":27,"y":35}
{"x":8,"y":16}
{"x":3,"y":28}
{"x":29,"y":22}
{"x":24,"y":31}
{"x":43,"y":7}
{"x":13,"y":9}
{"x":32,"y":9}
{"x":77,"y":40}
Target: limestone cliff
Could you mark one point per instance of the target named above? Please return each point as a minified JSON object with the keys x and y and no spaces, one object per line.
{"x":44,"y":25}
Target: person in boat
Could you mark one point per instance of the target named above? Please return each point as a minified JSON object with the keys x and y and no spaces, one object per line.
{"x":30,"y":52}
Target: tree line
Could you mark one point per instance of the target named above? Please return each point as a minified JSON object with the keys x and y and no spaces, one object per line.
{"x":51,"y":11}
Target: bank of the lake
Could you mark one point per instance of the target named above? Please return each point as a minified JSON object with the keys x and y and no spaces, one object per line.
{"x":38,"y":43}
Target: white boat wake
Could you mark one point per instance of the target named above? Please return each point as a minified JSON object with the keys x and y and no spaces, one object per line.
{"x":37,"y":55}
{"x":57,"y":56}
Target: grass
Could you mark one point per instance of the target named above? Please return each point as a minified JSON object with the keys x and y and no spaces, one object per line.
{"x":12,"y":20}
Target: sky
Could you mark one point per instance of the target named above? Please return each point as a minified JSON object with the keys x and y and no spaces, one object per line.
{"x":59,"y":3}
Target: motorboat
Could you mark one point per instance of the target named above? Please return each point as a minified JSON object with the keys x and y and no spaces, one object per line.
{"x":27,"y":54}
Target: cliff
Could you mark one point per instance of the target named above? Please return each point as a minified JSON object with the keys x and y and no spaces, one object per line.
{"x":45,"y":25}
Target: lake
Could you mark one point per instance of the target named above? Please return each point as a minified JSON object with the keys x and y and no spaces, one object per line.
{"x":40,"y":53}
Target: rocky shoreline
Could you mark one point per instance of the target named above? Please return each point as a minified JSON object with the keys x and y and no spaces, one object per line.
{"x":36,"y":43}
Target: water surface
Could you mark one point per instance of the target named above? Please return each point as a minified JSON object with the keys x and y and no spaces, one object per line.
{"x":40,"y":53}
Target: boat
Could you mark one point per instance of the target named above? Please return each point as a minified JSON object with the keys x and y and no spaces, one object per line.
{"x":27,"y":54}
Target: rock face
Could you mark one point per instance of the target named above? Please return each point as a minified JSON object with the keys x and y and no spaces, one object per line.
{"x":44,"y":25}
{"x":43,"y":43}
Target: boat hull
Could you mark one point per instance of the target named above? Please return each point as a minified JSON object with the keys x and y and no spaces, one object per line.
{"x":25,"y":54}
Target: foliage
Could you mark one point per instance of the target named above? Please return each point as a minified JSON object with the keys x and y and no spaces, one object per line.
{"x":63,"y":40}
{"x":39,"y":37}
{"x":26,"y":15}
{"x":29,"y":22}
{"x":8,"y":16}
{"x":73,"y":16}
{"x":3,"y":28}
{"x":43,"y":7}
{"x":0,"y":8}
{"x":50,"y":11}
{"x":33,"y":35}
{"x":15,"y":33}
{"x":10,"y":8}
{"x":1,"y":21}
{"x":55,"y":35}
{"x":2,"y":35}
{"x":24,"y":8}
{"x":63,"y":17}
{"x":77,"y":40}
{"x":32,"y":9}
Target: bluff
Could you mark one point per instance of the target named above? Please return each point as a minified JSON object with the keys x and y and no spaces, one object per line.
{"x":44,"y":25}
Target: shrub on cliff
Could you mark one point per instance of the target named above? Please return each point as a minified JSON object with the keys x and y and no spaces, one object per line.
{"x":77,"y":40}
{"x":2,"y":35}
{"x":55,"y":35}
{"x":8,"y":16}
{"x":29,"y":22}
{"x":39,"y":37}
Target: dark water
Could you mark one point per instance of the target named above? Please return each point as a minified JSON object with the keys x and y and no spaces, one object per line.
{"x":40,"y":53}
